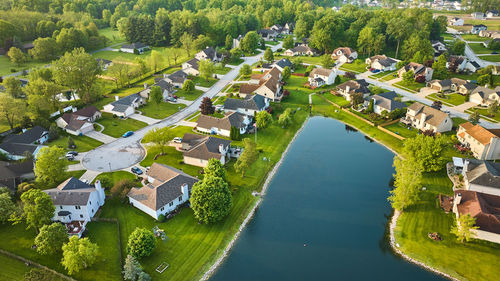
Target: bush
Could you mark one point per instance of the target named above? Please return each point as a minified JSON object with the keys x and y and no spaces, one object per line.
{"x":350,"y":75}
{"x":161,"y":218}
{"x":141,"y":242}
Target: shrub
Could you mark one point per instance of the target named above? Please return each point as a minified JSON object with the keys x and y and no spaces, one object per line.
{"x":161,"y":218}
{"x":141,"y":243}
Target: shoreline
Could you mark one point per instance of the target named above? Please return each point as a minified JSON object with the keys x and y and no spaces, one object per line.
{"x":250,"y":215}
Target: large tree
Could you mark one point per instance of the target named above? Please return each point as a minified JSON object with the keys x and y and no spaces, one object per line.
{"x":159,"y":137}
{"x":44,"y":49}
{"x":156,"y":95}
{"x":141,"y":242}
{"x":398,"y":28}
{"x":288,"y":42}
{"x":407,"y":184}
{"x":268,"y":55}
{"x":285,"y":118}
{"x":11,"y":110}
{"x":188,"y":86}
{"x":370,"y":42}
{"x":206,"y":106}
{"x":16,"y":56}
{"x":211,"y":199}
{"x":78,"y":254}
{"x":250,"y":42}
{"x":78,"y":71}
{"x":50,"y":168}
{"x":187,"y":42}
{"x":215,"y":168}
{"x":38,"y":209}
{"x":207,"y":69}
{"x":328,"y":32}
{"x":131,"y":269}
{"x":248,"y":156}
{"x":263,"y":119}
{"x":426,"y":151}
{"x":13,"y":87}
{"x":7,"y":206}
{"x":51,"y":238}
{"x":464,"y":228}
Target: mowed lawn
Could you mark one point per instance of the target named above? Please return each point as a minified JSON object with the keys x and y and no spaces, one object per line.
{"x":492,"y":58}
{"x":113,"y":35}
{"x":473,"y":37}
{"x":357,"y":66}
{"x":189,"y":96}
{"x":478,"y":48}
{"x":448,"y":255}
{"x":116,"y":127}
{"x":83,"y":143}
{"x":402,"y":130}
{"x":12,"y":269}
{"x":6,"y":66}
{"x":160,"y":111}
{"x":453,"y":99}
{"x":409,"y":86}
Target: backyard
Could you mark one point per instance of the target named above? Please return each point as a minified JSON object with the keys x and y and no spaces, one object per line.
{"x":160,"y":111}
{"x":316,"y":60}
{"x":478,"y":48}
{"x":7,"y":67}
{"x":113,"y":36}
{"x":116,"y":127}
{"x":402,"y":130}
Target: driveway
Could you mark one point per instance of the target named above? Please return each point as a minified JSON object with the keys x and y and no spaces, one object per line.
{"x":89,"y":175}
{"x":464,"y":106}
{"x":145,"y":119}
{"x":426,"y":91}
{"x":100,"y":137}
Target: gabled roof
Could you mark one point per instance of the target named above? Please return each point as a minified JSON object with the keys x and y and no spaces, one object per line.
{"x":204,"y":147}
{"x":283,"y":63}
{"x":355,"y":86}
{"x":255,"y":102}
{"x":126,"y":101}
{"x":433,"y":116}
{"x":483,"y":207}
{"x":387,"y":101}
{"x":193,"y":63}
{"x":71,"y":192}
{"x":248,"y":88}
{"x":209,"y":52}
{"x":178,"y":77}
{"x":479,"y":133}
{"x":303,"y":49}
{"x":320,"y":71}
{"x":346,"y":51}
{"x":165,"y":86}
{"x":87,"y":111}
{"x":17,"y":148}
{"x":133,"y":46}
{"x":483,"y":173}
{"x":27,"y":137}
{"x":73,"y":122}
{"x":232,"y":119}
{"x":9,"y":171}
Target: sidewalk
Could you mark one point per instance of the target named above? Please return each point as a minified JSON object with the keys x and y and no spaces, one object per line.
{"x":145,"y":119}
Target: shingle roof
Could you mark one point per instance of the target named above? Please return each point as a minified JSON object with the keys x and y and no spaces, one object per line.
{"x":283,"y":63}
{"x":355,"y":86}
{"x":233,"y":119}
{"x":87,"y":111}
{"x":255,"y":102}
{"x":320,"y":71}
{"x":346,"y":51}
{"x":209,"y":52}
{"x":178,"y":77}
{"x":134,"y":46}
{"x":433,"y":117}
{"x":484,"y":208}
{"x":71,"y":192}
{"x":386,"y":101}
{"x":193,"y":63}
{"x":479,"y":133}
{"x":72,"y":121}
{"x":483,"y":173}
{"x":204,"y":147}
{"x":28,"y":137}
{"x":10,"y":171}
{"x":248,"y":88}
{"x":18,"y":148}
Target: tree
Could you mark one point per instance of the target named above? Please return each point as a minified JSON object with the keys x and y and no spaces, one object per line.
{"x":248,"y":156}
{"x":370,"y":106}
{"x":188,"y":86}
{"x":141,"y":243}
{"x":288,"y":42}
{"x":357,"y":98}
{"x":458,"y":47}
{"x":485,"y":79}
{"x":493,"y":109}
{"x":268,"y":55}
{"x":464,"y":228}
{"x":121,"y":188}
{"x":228,"y":44}
{"x":78,"y":254}
{"x":416,"y":43}
{"x":156,"y":95}
{"x":245,"y":69}
{"x":12,"y":110}
{"x":328,"y":32}
{"x":16,"y":56}
{"x":215,"y":168}
{"x":13,"y":87}
{"x":51,"y":238}
{"x":408,"y":76}
{"x":131,"y":269}
{"x":78,"y":71}
{"x":263,"y":119}
{"x":206,"y":106}
{"x":309,"y":69}
{"x":398,"y":28}
{"x":407,"y":184}
{"x":474,"y":117}
{"x":234,"y":133}
{"x":187,"y":42}
{"x":440,"y":70}
{"x":369,"y":41}
{"x":51,"y":165}
{"x":327,"y":61}
{"x":143,"y":276}
{"x":38,"y":209}
{"x":38,"y":274}
{"x":426,"y":151}
{"x":157,"y":60}
{"x":211,"y":199}
{"x":286,"y":73}
{"x":285,"y":118}
{"x":7,"y":206}
{"x":202,"y":42}
{"x":159,"y":137}
{"x":44,"y":49}
{"x":250,"y":42}
{"x":206,"y":68}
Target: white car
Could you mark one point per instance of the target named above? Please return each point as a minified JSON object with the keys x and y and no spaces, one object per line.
{"x":177,"y":140}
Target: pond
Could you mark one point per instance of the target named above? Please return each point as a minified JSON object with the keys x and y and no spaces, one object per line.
{"x":325,"y":214}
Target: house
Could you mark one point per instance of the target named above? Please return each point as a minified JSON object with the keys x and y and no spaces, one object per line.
{"x":456,"y":22}
{"x":167,"y":188}
{"x":492,"y":13}
{"x":282,"y":63}
{"x":288,"y":28}
{"x":489,"y":34}
{"x":267,"y":34}
{"x":426,"y":118}
{"x":76,"y":203}
{"x":104,"y":63}
{"x":478,"y":28}
{"x":419,"y":70}
{"x":29,"y":141}
{"x":484,"y":208}
{"x":237,"y":41}
{"x":134,"y":48}
{"x":277,"y":27}
{"x":177,"y":78}
{"x":191,"y":67}
{"x":209,"y":53}
{"x":321,"y":76}
{"x":198,"y":149}
{"x":495,"y":70}
{"x":80,"y":121}
{"x":478,"y":16}
{"x":482,"y":176}
{"x":167,"y":89}
{"x":384,"y":102}
{"x":381,"y":63}
{"x":351,"y":87}
{"x":222,"y":126}
{"x":125,"y":106}
{"x":248,"y":106}
{"x":13,"y":173}
{"x":459,"y":61}
{"x":439,"y":48}
{"x":472,"y":66}
{"x":344,"y":55}
{"x":267,"y":84}
{"x":302,"y":50}
{"x":485,"y":96}
{"x":483,"y":143}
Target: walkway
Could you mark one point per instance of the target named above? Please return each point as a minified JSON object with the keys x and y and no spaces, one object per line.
{"x":186,"y":123}
{"x":89,"y":175}
{"x":100,"y":137}
{"x":145,"y":119}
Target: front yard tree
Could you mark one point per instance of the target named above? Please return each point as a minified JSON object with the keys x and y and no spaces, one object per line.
{"x":248,"y":156}
{"x":215,"y":169}
{"x":51,"y":238}
{"x":78,"y":254}
{"x":206,"y":106}
{"x":7,"y":206}
{"x":464,"y":228}
{"x":38,"y":209}
{"x":211,"y":199}
{"x":485,"y":79}
{"x":131,"y":269}
{"x":250,"y":42}
{"x":493,"y":109}
{"x":245,"y":69}
{"x":155,"y":95}
{"x":426,"y":151}
{"x":268,"y":55}
{"x":157,"y":60}
{"x":440,"y":70}
{"x":263,"y":119}
{"x":188,"y":86}
{"x":16,"y":56}
{"x":407,"y":184}
{"x":474,"y":117}
{"x":13,"y":86}
{"x":141,"y":243}
{"x":51,"y":165}
{"x":159,"y":137}
{"x":228,"y":44}
{"x":286,"y":73}
{"x":408,"y":76}
{"x":288,"y":42}
{"x":207,"y":69}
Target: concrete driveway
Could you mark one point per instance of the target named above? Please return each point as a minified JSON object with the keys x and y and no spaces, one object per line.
{"x":100,"y":137}
{"x":426,"y":91}
{"x":464,"y":106}
{"x":145,"y":119}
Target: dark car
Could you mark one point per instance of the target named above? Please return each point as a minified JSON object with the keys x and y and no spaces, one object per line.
{"x":494,"y":53}
{"x":74,"y":153}
{"x":136,"y":170}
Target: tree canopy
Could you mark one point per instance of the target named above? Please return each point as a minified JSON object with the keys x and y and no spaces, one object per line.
{"x":50,"y":168}
{"x":51,"y":238}
{"x":78,"y":254}
{"x":211,"y":199}
{"x":141,"y":242}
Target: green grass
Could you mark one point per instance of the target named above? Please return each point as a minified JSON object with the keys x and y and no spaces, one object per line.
{"x":160,"y":111}
{"x":116,"y":127}
{"x":222,"y":70}
{"x":6,"y":65}
{"x":83,"y":143}
{"x":127,"y":57}
{"x":336,"y":99}
{"x":402,"y":130}
{"x":236,"y":61}
{"x":448,"y":255}
{"x":384,"y":74}
{"x":447,"y":36}
{"x":207,"y":83}
{"x":478,"y":48}
{"x":316,"y":60}
{"x":113,"y":35}
{"x":12,"y":269}
{"x":409,"y":86}
{"x":493,"y":58}
{"x":189,"y":96}
{"x":473,"y":37}
{"x":272,"y":43}
{"x":484,"y":112}
{"x":452,"y":99}
{"x":116,"y":176}
{"x":357,"y":66}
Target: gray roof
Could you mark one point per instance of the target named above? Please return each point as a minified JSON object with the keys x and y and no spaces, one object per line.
{"x":255,"y":102}
{"x":193,"y":63}
{"x":387,"y":62}
{"x":178,"y":77}
{"x":122,"y":104}
{"x":204,"y":147}
{"x":71,"y":192}
{"x":18,"y":148}
{"x":165,"y":86}
{"x":284,"y":62}
{"x":386,"y":101}
{"x":209,"y":52}
{"x":28,"y":137}
{"x":134,"y":46}
{"x":483,"y":173}
{"x":10,"y":172}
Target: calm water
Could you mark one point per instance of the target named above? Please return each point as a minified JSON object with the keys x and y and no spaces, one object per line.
{"x":329,"y":195}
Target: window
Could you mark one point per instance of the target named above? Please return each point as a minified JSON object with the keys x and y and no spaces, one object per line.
{"x":180,"y":198}
{"x":60,"y":207}
{"x":162,"y":208}
{"x":90,"y":202}
{"x":92,"y":210}
{"x":171,"y":203}
{"x":81,"y":216}
{"x":77,"y":207}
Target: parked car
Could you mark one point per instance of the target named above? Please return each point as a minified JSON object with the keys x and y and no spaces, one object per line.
{"x":128,"y":134}
{"x":74,"y":153}
{"x":177,"y":140}
{"x":494,"y":53}
{"x":136,"y":170}
{"x":70,"y":157}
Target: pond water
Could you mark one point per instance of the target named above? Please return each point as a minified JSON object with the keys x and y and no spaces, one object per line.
{"x":325,"y":214}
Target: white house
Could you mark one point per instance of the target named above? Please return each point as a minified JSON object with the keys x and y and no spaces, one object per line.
{"x":459,"y":61}
{"x":209,"y":53}
{"x":478,"y":28}
{"x":301,"y":50}
{"x":492,"y":13}
{"x":80,"y":121}
{"x":426,"y":118}
{"x":478,"y":16}
{"x":384,"y":102}
{"x":381,"y":63}
{"x":483,"y":143}
{"x":457,"y":21}
{"x":482,"y":176}
{"x":439,"y":47}
{"x":322,"y":76}
{"x":419,"y":70}
{"x":125,"y":106}
{"x":191,"y":67}
{"x":344,"y":55}
{"x":485,"y":96}
{"x":198,"y":149}
{"x":166,"y":189}
{"x":76,"y":203}
{"x":222,"y":126}
{"x":248,"y":106}
{"x":134,"y":48}
{"x":29,"y":141}
{"x":104,"y":63}
{"x":352,"y":87}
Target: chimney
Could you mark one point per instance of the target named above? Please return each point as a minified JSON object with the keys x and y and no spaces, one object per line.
{"x":458,"y":198}
{"x":185,"y":189}
{"x":221,"y":148}
{"x":145,"y":85}
{"x":117,"y":98}
{"x":347,"y":89}
{"x":74,"y":109}
{"x":423,"y":118}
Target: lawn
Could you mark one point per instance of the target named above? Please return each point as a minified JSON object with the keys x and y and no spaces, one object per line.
{"x":402,"y":130}
{"x":453,"y":99}
{"x":189,"y":96}
{"x":6,"y":66}
{"x":113,"y":35}
{"x":448,"y":255}
{"x":316,"y":60}
{"x":478,"y":48}
{"x":160,"y":111}
{"x":272,"y":43}
{"x":493,"y":58}
{"x":116,"y":127}
{"x":388,"y":75}
{"x":336,"y":99}
{"x":357,"y":66}
{"x":236,"y":61}
{"x":18,"y":240}
{"x":484,"y":112}
{"x":115,"y":176}
{"x":207,"y":83}
{"x":473,"y":37}
{"x":409,"y":86}
{"x":127,"y":57}
{"x":83,"y":143}
{"x":222,"y":70}
{"x":447,"y":36}
{"x":12,"y":269}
